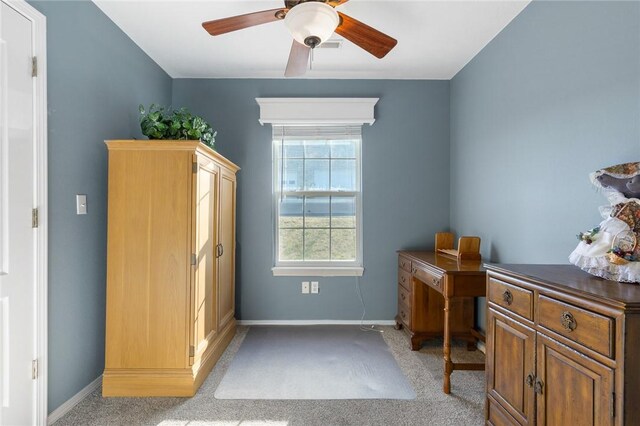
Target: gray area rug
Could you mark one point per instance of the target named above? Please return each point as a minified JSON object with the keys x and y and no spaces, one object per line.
{"x":463,"y":407}
{"x":314,"y":362}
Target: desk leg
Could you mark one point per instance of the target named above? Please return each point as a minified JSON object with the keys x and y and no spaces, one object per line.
{"x":448,"y":366}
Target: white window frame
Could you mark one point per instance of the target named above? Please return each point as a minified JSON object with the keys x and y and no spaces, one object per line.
{"x":318,"y":112}
{"x":333,"y":267}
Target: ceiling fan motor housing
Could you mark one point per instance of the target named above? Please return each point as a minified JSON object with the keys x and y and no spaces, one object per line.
{"x":312,"y":23}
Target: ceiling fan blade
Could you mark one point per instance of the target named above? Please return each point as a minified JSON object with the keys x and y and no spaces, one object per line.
{"x":234,"y":23}
{"x":336,"y":3}
{"x":368,"y":38}
{"x":298,"y":60}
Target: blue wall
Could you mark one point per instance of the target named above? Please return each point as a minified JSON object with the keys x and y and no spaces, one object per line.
{"x":405,"y":166}
{"x":96,"y":78}
{"x":555,"y":96}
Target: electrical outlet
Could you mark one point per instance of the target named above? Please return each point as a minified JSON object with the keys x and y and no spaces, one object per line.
{"x":305,"y":287}
{"x":315,"y":288}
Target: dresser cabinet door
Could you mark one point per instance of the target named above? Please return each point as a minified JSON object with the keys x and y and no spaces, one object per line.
{"x":510,"y":366}
{"x":571,"y":388}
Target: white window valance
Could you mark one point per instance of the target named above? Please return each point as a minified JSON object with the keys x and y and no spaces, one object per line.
{"x":316,"y":111}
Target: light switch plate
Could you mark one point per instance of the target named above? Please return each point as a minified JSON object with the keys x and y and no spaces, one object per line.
{"x":81,"y":203}
{"x":315,"y":289}
{"x":305,"y":287}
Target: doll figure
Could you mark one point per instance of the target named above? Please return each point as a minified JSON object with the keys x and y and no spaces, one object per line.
{"x":610,"y":250}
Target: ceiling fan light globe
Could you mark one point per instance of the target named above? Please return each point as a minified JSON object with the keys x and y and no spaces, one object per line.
{"x":310,"y":21}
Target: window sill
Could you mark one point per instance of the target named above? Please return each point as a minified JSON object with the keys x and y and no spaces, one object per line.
{"x":317,"y":271}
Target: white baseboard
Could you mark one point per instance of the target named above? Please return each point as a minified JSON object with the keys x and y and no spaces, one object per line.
{"x":73,"y":401}
{"x":482,"y":347}
{"x":315,"y":322}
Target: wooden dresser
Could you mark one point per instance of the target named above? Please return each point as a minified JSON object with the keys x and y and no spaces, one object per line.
{"x":563,"y":347}
{"x":170,"y":266}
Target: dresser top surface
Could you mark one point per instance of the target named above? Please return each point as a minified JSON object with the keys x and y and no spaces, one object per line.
{"x":572,"y":279}
{"x":445,"y":263}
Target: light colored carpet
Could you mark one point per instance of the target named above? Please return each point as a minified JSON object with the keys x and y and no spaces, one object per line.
{"x":464,"y":406}
{"x":314,"y":362}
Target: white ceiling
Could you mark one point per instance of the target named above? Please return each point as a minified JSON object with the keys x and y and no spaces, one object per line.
{"x":436,"y":39}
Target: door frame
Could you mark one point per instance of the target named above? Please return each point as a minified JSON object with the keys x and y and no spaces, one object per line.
{"x":40,"y":197}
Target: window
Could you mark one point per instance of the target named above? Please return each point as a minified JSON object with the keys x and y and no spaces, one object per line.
{"x":316,"y":183}
{"x":317,"y":199}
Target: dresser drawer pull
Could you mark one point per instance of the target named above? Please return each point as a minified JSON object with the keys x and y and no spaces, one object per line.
{"x":568,"y":321}
{"x":403,"y":279}
{"x":529,"y":380}
{"x":402,"y":296}
{"x":404,"y":316}
{"x":403,"y":263}
{"x":414,"y":270}
{"x":537,"y":386}
{"x":507,"y":297}
{"x":435,"y":281}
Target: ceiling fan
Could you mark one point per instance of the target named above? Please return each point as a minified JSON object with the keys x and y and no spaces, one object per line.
{"x":311,"y":23}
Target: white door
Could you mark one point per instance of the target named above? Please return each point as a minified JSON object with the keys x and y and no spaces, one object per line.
{"x":17,"y":237}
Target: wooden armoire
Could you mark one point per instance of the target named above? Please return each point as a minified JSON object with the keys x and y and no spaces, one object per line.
{"x":170,"y":266}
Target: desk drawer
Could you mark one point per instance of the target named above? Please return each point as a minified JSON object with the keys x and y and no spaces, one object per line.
{"x":404,"y":279}
{"x":511,"y":297}
{"x":404,"y":312}
{"x":404,"y":263}
{"x":580,"y":325}
{"x":431,"y":278}
{"x":404,"y":296}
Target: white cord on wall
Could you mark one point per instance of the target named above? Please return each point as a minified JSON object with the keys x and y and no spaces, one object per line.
{"x":364,"y":310}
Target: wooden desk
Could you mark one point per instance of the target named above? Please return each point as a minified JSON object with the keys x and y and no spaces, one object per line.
{"x":435,"y":299}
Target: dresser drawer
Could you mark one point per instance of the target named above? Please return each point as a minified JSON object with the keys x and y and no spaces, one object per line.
{"x":404,"y":279}
{"x":404,"y":263}
{"x":432,"y":279}
{"x":511,"y":297}
{"x":592,"y":330}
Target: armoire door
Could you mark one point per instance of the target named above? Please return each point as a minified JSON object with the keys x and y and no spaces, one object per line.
{"x":511,"y":366}
{"x":572,"y":389}
{"x":205,"y":319}
{"x":226,"y":259}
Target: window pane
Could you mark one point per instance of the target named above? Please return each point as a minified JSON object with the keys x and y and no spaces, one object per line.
{"x":343,"y":244}
{"x":343,"y":175}
{"x":316,"y":244}
{"x":293,"y":149}
{"x":316,"y":212}
{"x":292,"y":175}
{"x":343,"y":212}
{"x":343,"y":149}
{"x":316,"y":149}
{"x":290,"y":244}
{"x":291,"y":212}
{"x":316,"y":175}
